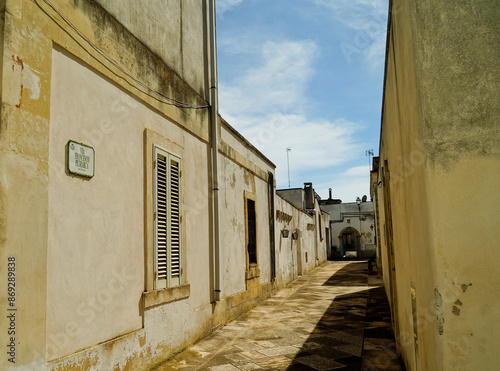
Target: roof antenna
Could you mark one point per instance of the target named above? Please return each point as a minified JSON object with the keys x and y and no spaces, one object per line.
{"x":288,"y":163}
{"x":369,"y":153}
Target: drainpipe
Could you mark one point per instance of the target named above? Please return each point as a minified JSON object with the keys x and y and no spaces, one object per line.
{"x":316,"y":232}
{"x":214,"y":141}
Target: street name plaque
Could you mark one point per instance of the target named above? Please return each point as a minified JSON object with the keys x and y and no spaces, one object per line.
{"x":81,"y":159}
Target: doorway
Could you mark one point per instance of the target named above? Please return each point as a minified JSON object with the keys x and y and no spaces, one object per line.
{"x":349,"y":243}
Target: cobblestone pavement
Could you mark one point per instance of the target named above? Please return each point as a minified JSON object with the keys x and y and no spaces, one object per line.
{"x":336,"y":317}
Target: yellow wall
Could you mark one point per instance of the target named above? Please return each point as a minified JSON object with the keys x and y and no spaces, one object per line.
{"x":440,"y":144}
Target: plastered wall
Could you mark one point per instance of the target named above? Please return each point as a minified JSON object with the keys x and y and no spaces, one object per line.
{"x":83,"y":248}
{"x":298,"y":256}
{"x":174,"y":30}
{"x":346,"y":215}
{"x":439,"y":161}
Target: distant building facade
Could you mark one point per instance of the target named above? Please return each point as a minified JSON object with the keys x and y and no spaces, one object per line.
{"x":352,"y":229}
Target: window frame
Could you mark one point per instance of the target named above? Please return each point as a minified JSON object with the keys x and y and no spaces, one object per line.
{"x":167,"y":280}
{"x":249,"y":266}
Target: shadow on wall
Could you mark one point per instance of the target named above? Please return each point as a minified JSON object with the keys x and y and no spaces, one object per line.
{"x":355,"y":332}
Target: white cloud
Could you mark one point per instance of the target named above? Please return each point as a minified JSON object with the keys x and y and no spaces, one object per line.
{"x":375,"y":54}
{"x":225,"y":5}
{"x":268,"y":103}
{"x":276,"y":83}
{"x":314,"y":144}
{"x":352,"y":183}
{"x":367,"y":20}
{"x":356,"y":14}
{"x":356,"y":171}
{"x":265,"y":95}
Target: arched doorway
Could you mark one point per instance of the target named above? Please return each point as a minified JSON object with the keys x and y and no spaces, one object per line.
{"x":349,"y":243}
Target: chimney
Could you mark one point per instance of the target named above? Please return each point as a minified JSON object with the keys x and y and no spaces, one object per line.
{"x":309,"y":195}
{"x":329,"y":193}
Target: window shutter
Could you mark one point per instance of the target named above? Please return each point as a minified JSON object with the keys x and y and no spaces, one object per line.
{"x":167,"y":219}
{"x":175,"y":221}
{"x":161,"y":230}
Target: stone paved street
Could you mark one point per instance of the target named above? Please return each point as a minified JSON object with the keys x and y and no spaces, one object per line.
{"x":336,"y":317}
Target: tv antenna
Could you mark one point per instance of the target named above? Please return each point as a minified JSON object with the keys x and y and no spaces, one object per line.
{"x":369,"y":152}
{"x":288,"y":149}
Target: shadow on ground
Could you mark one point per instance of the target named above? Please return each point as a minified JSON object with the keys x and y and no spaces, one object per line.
{"x":353,"y":274}
{"x":355,"y":333}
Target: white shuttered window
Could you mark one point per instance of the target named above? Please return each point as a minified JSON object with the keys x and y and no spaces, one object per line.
{"x":167,"y":219}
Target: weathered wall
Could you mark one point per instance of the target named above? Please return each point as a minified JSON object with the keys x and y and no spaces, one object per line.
{"x":236,"y":181}
{"x":93,"y":231}
{"x":295,"y":196}
{"x":174,"y":30}
{"x":82,"y":248}
{"x":298,"y":256}
{"x":97,"y":225}
{"x":244,"y":173}
{"x":439,"y":167}
{"x":375,"y":202}
{"x":462,"y":138}
{"x":288,"y":250}
{"x":345,"y":215}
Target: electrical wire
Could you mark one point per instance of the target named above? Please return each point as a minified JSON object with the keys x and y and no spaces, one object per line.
{"x":166,"y":100}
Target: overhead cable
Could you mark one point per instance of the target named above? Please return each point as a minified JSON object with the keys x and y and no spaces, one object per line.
{"x":162,"y":98}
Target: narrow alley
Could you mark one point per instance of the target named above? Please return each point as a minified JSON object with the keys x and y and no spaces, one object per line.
{"x":335,"y":317}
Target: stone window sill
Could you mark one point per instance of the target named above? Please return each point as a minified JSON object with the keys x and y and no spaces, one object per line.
{"x":252,"y":273}
{"x":164,"y":296}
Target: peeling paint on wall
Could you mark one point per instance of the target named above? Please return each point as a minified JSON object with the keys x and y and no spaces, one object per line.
{"x":31,"y":82}
{"x":438,"y":302}
{"x":413,"y":294}
{"x":464,"y":287}
{"x":26,"y":78}
{"x":456,"y":310}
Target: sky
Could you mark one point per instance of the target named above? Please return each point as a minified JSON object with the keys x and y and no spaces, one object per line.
{"x":305,"y":75}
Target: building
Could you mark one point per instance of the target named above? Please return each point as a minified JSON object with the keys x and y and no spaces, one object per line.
{"x":304,"y":231}
{"x":133,"y":219}
{"x":435,"y":183}
{"x":352,"y":229}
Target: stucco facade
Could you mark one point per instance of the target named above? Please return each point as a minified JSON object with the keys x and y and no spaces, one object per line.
{"x":352,"y":229}
{"x":436,"y":183}
{"x":82,"y":251}
{"x":301,"y":237}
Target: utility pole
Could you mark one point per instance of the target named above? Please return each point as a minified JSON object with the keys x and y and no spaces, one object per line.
{"x":288,"y":163}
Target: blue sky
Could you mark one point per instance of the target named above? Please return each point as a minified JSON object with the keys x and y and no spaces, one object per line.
{"x":305,"y":74}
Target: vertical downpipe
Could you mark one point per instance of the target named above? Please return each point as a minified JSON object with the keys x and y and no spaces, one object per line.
{"x":316,"y":232}
{"x":272,"y":242}
{"x":214,"y":108}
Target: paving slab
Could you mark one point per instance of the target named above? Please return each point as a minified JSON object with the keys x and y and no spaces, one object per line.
{"x":334,"y":318}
